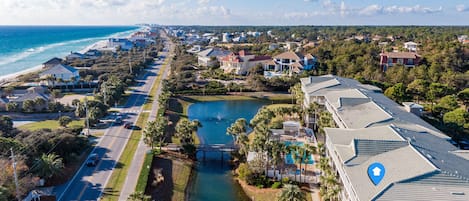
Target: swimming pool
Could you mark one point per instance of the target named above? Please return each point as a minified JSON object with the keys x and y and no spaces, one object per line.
{"x":289,"y":158}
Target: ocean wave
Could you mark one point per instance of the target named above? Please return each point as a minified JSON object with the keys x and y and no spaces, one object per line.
{"x":36,"y":50}
{"x":6,"y":60}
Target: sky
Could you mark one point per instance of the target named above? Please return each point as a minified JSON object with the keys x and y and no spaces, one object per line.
{"x":234,"y":12}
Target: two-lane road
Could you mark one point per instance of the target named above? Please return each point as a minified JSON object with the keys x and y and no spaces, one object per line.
{"x":89,"y":182}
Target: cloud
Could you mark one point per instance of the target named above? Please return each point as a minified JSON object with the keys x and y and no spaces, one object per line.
{"x":377,"y":9}
{"x":213,"y":11}
{"x":203,"y":1}
{"x":413,"y":9}
{"x":462,"y":8}
{"x":371,"y":10}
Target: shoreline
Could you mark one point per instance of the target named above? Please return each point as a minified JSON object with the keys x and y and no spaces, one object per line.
{"x":96,"y":45}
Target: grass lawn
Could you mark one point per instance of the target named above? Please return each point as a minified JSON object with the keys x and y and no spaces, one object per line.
{"x":280,"y":105}
{"x":181,"y":174}
{"x":144,"y":173}
{"x":114,"y":186}
{"x":50,"y":124}
{"x":265,"y":194}
{"x":178,"y":110}
{"x":177,"y":173}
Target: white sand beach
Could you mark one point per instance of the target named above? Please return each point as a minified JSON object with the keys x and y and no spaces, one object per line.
{"x":13,"y":76}
{"x":100,"y":45}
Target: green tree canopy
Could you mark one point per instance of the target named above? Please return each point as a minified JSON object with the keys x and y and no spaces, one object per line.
{"x":291,"y":192}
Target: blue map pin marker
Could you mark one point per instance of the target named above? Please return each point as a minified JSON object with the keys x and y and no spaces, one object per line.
{"x":376,"y":172}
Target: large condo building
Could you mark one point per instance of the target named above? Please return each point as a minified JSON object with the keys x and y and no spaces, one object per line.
{"x":421,"y":162}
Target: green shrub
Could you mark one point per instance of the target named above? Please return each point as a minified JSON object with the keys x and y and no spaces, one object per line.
{"x":276,"y":185}
{"x":285,"y":180}
{"x":243,"y":171}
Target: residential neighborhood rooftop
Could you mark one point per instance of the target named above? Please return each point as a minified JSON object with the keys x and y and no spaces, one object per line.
{"x":373,"y":128}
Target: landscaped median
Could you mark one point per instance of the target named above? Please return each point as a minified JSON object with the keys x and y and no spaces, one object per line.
{"x":154,"y":88}
{"x":115,"y":183}
{"x":144,"y":173}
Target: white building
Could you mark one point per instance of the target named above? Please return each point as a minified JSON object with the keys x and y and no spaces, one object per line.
{"x":211,"y":56}
{"x":59,"y":71}
{"x":411,"y":46}
{"x":288,"y":63}
{"x":227,"y":37}
{"x":420,"y":162}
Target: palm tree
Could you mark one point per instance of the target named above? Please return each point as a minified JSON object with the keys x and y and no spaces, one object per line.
{"x":314,"y":109}
{"x":237,"y":128}
{"x":73,"y":80}
{"x":243,"y":142}
{"x":154,"y":132}
{"x":295,"y":155}
{"x":291,"y":193}
{"x":276,"y":153}
{"x":311,"y":150}
{"x":185,"y":129}
{"x":89,"y":79}
{"x":61,"y":81}
{"x":139,"y":196}
{"x":48,"y":165}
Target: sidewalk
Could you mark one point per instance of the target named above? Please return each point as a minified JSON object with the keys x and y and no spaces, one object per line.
{"x":135,"y":168}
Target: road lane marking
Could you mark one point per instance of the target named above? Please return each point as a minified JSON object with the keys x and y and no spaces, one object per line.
{"x":99,"y":164}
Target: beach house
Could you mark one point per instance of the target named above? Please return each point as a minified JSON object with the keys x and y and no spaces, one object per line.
{"x":407,"y":59}
{"x":288,"y":63}
{"x":210,"y":57}
{"x":66,"y":73}
{"x":74,"y":56}
{"x":122,"y":43}
{"x":51,"y":63}
{"x":33,"y":94}
{"x":240,"y":63}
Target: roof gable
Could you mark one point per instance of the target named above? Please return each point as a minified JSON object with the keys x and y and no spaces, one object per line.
{"x":59,"y":69}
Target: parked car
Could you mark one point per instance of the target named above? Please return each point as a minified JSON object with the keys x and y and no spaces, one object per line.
{"x":463,"y":144}
{"x":92,"y":160}
{"x":118,"y":121}
{"x":128,"y":125}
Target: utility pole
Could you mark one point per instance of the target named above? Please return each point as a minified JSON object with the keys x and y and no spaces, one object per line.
{"x":13,"y":159}
{"x":104,"y":92}
{"x":130,"y":64}
{"x":87,"y":119}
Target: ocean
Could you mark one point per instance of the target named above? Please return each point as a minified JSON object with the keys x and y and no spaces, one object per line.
{"x":24,"y":47}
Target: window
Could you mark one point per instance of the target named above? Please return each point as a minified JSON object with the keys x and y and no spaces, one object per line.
{"x":410,"y":61}
{"x":400,"y":61}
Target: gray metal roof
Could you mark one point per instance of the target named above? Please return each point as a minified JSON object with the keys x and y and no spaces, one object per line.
{"x":59,"y":69}
{"x":213,"y":52}
{"x":420,"y":162}
{"x":433,"y":186}
{"x":361,"y":112}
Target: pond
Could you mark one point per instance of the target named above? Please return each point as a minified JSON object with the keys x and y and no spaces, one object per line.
{"x":213,"y":179}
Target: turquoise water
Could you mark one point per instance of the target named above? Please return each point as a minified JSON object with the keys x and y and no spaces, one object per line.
{"x":23,"y":47}
{"x":289,"y":158}
{"x":213,"y":180}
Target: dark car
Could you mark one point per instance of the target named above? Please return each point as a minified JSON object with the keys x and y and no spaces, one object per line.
{"x":92,"y":160}
{"x":118,"y":121}
{"x":463,"y":144}
{"x":128,"y":125}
